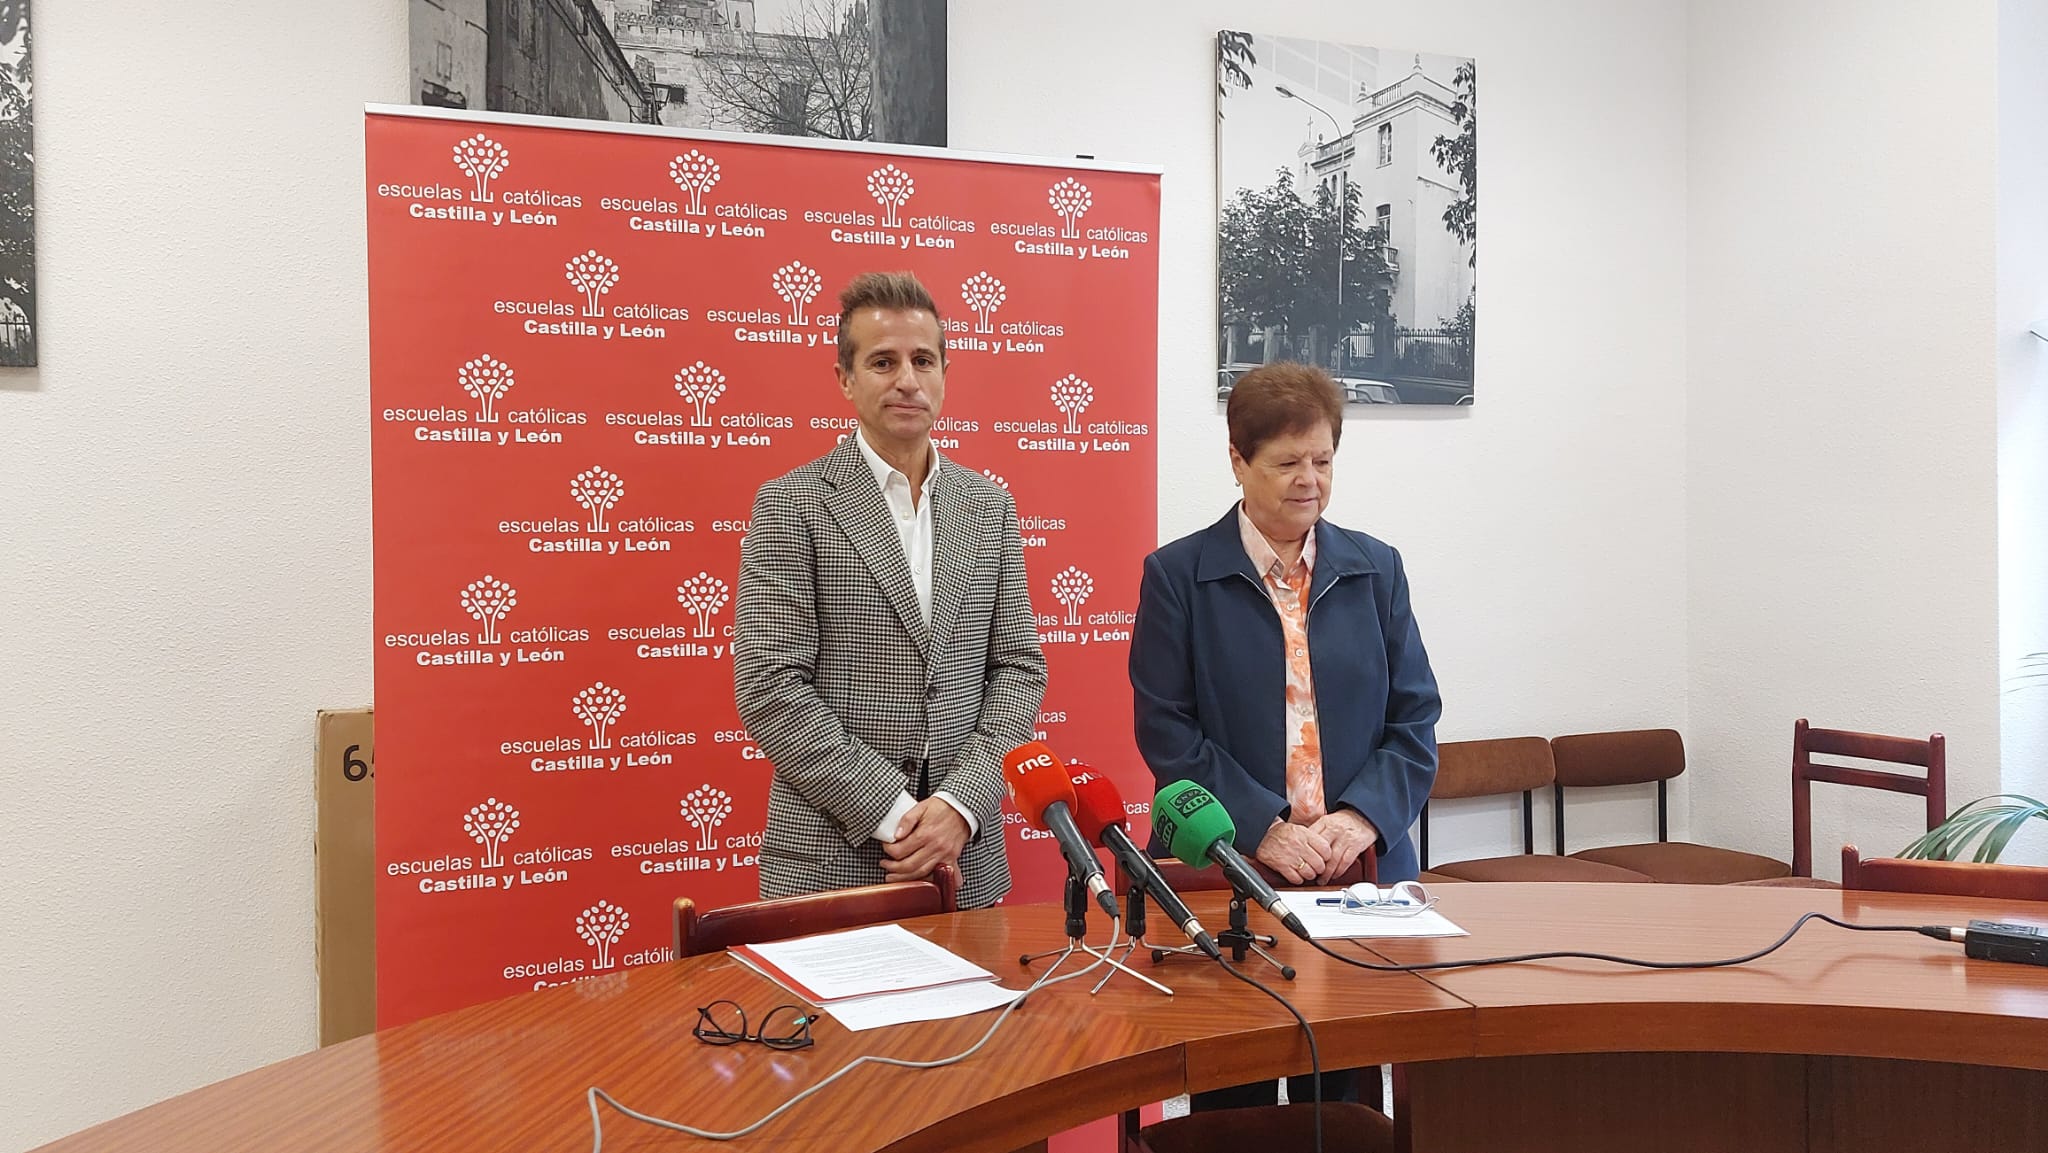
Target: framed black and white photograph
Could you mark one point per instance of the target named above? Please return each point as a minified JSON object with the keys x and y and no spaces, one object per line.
{"x":846,"y":69}
{"x":1347,"y":230}
{"x":17,"y":189}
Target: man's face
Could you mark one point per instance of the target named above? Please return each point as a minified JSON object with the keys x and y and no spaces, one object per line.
{"x":898,"y":380}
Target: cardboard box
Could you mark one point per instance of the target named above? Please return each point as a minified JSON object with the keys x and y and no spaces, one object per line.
{"x":345,"y":871}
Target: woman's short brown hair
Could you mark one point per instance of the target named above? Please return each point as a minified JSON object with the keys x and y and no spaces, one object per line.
{"x":1281,"y":399}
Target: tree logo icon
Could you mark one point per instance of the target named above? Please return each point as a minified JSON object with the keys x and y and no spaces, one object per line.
{"x":704,"y":595}
{"x":798,"y":284}
{"x":996,"y":479}
{"x":706,"y":808}
{"x":597,"y":491}
{"x":598,"y":706}
{"x":701,"y":385}
{"x":1071,"y":199}
{"x":601,"y":926}
{"x":694,"y":173}
{"x":890,"y":186}
{"x":983,"y":294}
{"x":1072,"y":395}
{"x":1072,"y":588}
{"x":487,"y":379}
{"x":489,"y":600}
{"x":593,"y":275}
{"x":482,"y":159}
{"x":488,"y":825}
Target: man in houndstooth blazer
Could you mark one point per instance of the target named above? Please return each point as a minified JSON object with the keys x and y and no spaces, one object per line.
{"x":885,"y":656}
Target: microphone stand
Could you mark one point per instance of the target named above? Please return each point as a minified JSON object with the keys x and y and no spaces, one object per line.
{"x":1077,"y":902}
{"x":1238,"y":939}
{"x":1134,"y":924}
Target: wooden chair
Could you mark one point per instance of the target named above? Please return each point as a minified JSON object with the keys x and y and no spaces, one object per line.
{"x":757,"y":921}
{"x":1595,"y":760}
{"x":1496,"y":768}
{"x":1930,"y":755}
{"x":1348,"y":1127}
{"x":1953,"y":878}
{"x":1186,"y":878}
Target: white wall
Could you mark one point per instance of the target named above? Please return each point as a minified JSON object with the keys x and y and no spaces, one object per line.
{"x":2023,"y":407}
{"x":1841,"y":402}
{"x":1736,"y":292}
{"x":185,"y":576}
{"x":188,"y":577}
{"x":1543,"y":528}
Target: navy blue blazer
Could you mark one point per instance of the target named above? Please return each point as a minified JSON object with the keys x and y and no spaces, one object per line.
{"x":1209,"y":676}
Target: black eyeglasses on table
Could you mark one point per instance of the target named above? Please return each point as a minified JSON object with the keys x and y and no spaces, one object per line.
{"x":725,"y":1023}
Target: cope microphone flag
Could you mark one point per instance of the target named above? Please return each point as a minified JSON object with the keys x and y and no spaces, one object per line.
{"x":1197,"y":829}
{"x":1099,"y":810}
{"x":1044,"y":794}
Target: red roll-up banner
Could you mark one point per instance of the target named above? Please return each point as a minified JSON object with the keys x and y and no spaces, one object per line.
{"x":589,"y":345}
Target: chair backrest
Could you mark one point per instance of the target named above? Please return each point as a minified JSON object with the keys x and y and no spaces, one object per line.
{"x":711,"y":930}
{"x":1628,"y":757}
{"x":1955,"y":878}
{"x":1487,"y":769}
{"x":1930,"y":755}
{"x":1182,"y":877}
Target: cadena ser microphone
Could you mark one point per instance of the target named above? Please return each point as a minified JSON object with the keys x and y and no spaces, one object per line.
{"x":1099,"y":809}
{"x":1197,"y":829}
{"x":1044,"y":794}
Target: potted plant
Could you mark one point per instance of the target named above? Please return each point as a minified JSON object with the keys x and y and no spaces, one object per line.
{"x":1989,"y":822}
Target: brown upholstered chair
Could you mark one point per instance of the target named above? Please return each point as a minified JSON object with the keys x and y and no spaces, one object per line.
{"x":1497,"y":768}
{"x":1595,"y":760}
{"x":1348,"y":1127}
{"x":757,"y":921}
{"x":1954,"y":878}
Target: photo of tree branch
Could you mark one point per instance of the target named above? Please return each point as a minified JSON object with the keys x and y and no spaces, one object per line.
{"x":17,"y":190}
{"x":1348,"y":219}
{"x":812,"y":78}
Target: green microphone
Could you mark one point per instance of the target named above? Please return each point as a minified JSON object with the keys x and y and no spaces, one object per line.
{"x":1196,"y":828}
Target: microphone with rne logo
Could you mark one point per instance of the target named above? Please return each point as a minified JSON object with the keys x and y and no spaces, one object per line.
{"x":1197,"y":829}
{"x":1044,"y":794}
{"x":1099,"y":810}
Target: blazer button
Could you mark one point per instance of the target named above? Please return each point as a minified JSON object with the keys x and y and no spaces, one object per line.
{"x":931,"y":692}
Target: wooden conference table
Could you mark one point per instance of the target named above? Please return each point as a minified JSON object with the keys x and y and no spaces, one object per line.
{"x":1838,"y":1041}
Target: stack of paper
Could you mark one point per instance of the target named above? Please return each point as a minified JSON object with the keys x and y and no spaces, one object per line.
{"x":881,"y":975}
{"x":1333,"y":920}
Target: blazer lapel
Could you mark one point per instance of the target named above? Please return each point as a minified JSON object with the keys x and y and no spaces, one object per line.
{"x":856,"y":502}
{"x":956,"y":545}
{"x":1337,"y":557}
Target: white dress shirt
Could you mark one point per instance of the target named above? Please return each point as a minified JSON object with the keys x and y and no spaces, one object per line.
{"x":914,"y":532}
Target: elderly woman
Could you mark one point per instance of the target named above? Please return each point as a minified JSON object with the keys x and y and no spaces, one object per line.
{"x":1276,"y":662}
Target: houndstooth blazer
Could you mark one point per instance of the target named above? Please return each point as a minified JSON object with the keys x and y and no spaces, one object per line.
{"x":839,"y":680}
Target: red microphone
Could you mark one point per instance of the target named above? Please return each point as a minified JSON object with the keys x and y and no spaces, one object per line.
{"x":1044,"y":794}
{"x":1097,"y":805}
{"x":1099,"y":810}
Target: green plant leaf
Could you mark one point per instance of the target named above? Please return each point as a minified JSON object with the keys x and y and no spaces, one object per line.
{"x":1990,"y":822}
{"x":2015,"y":819}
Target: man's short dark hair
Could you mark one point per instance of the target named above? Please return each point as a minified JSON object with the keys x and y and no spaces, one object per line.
{"x":889,"y":292}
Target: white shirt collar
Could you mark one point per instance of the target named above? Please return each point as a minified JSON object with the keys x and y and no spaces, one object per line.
{"x":883,"y":470}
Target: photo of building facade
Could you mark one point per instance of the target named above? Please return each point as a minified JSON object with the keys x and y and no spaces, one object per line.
{"x":846,"y":69}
